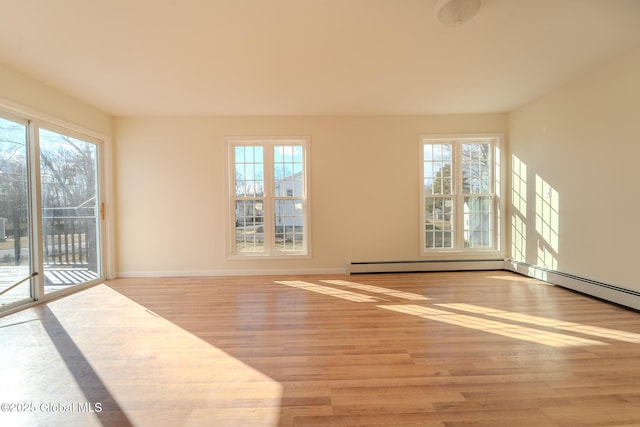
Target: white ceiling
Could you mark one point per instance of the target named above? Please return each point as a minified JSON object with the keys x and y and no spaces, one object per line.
{"x":309,"y":57}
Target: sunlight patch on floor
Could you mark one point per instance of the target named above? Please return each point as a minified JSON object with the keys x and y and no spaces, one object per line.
{"x":37,"y":384}
{"x":499,"y":328}
{"x":326,"y":290}
{"x":545,"y":321}
{"x":377,"y":290}
{"x":513,"y":278}
{"x":193,"y":382}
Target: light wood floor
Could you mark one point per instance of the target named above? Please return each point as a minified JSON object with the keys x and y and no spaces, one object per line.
{"x":433,"y":349}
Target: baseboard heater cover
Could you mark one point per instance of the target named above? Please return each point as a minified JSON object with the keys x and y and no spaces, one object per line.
{"x":605,"y":291}
{"x":424,"y":266}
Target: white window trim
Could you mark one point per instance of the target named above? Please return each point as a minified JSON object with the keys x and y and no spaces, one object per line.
{"x":498,"y":174}
{"x":233,"y":141}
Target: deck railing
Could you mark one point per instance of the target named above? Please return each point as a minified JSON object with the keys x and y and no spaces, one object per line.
{"x":69,"y":237}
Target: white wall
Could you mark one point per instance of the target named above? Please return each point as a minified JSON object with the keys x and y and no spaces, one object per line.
{"x":583,"y":140}
{"x":171,"y":189}
{"x":22,"y":90}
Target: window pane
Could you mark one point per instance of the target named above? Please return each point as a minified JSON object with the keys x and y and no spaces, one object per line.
{"x":288,"y":170}
{"x":249,"y":220}
{"x":476,"y":168}
{"x":478,"y":221}
{"x":437,"y":169}
{"x":249,"y":171}
{"x":289,"y":226}
{"x":439,"y":220}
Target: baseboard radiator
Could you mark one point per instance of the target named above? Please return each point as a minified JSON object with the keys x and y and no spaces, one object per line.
{"x":424,"y":266}
{"x":615,"y":294}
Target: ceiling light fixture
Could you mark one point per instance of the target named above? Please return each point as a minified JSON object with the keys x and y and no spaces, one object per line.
{"x":456,"y":12}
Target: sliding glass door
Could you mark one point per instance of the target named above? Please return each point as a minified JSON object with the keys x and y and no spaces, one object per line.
{"x":15,"y":248}
{"x":70,"y":210}
{"x":50,"y":211}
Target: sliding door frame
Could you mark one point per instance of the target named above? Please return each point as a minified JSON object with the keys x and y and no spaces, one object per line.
{"x":105,"y":227}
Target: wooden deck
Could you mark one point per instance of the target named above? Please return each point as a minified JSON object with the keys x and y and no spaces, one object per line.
{"x":56,"y":278}
{"x":433,"y":349}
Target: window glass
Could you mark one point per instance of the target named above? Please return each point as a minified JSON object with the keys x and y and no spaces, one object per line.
{"x":270,"y":197}
{"x":459,"y":200}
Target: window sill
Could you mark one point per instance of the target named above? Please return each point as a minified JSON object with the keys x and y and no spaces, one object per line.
{"x":255,"y":257}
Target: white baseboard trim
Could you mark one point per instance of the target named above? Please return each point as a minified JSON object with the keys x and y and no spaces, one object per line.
{"x":424,"y":266}
{"x":221,"y":273}
{"x":615,"y":294}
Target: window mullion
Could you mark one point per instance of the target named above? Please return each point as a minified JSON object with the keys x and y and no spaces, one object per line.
{"x":457,"y":172}
{"x":269,"y":200}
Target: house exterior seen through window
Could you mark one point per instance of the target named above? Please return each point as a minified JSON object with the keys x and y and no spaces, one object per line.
{"x":460,"y":179}
{"x":268,"y":196}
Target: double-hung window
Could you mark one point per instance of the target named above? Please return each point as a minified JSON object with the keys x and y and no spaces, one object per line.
{"x":460,"y":194}
{"x":268,"y":196}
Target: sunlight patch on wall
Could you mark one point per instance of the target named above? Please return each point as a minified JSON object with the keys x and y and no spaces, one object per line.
{"x":519,"y":202}
{"x":547,"y":223}
{"x":518,"y":238}
{"x":519,"y":185}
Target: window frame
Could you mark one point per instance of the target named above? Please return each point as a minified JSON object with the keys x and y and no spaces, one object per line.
{"x":269,"y":197}
{"x":458,"y":249}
